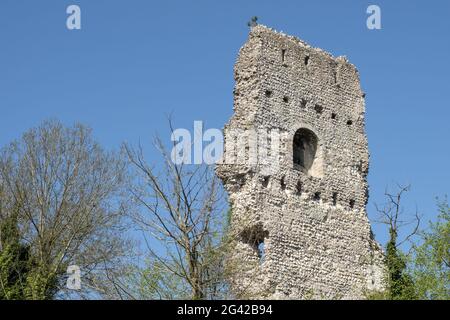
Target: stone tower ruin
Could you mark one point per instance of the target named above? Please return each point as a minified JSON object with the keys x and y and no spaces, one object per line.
{"x":299,"y":206}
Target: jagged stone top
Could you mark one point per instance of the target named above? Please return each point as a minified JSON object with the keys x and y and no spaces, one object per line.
{"x":264,"y":29}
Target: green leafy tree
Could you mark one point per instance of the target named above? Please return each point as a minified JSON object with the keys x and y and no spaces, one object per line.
{"x":401,"y":285}
{"x":431,"y":263}
{"x":14,"y":261}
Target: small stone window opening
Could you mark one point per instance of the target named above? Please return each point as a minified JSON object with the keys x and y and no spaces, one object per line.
{"x":268,"y":93}
{"x":265,"y":181}
{"x":316,"y":196}
{"x":335,"y":196}
{"x":283,"y":184}
{"x":299,"y":188}
{"x":304,"y":149}
{"x":306,"y":60}
{"x":283,"y":55}
{"x":333,"y":116}
{"x":303,"y":103}
{"x":285,"y":99}
{"x":352,"y":204}
{"x":318,"y":108}
{"x":349,"y":122}
{"x":261,"y":249}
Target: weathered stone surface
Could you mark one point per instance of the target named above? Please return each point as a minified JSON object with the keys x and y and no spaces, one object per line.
{"x":307,"y":206}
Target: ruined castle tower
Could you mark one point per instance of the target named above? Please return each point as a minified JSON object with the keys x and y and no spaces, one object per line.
{"x":299,"y":209}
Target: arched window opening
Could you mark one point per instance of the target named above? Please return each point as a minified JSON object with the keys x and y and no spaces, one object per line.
{"x":304,"y":149}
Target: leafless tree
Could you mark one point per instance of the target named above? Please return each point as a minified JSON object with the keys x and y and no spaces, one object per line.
{"x":68,"y":193}
{"x":182,"y":219}
{"x":392,"y":214}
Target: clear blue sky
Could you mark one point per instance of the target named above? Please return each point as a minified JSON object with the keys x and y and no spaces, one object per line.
{"x":135,"y":61}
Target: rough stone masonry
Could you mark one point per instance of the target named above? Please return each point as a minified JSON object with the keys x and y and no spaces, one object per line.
{"x":300,"y":216}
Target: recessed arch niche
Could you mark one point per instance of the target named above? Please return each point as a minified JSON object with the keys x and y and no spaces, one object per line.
{"x":307,"y":152}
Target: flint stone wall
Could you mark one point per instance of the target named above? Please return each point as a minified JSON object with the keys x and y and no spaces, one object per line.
{"x":304,"y":232}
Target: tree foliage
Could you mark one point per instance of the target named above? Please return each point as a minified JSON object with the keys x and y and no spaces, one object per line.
{"x":431,"y":264}
{"x":422,"y":272}
{"x":14,"y":261}
{"x":64,"y":201}
{"x":400,"y":283}
{"x":60,"y":205}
